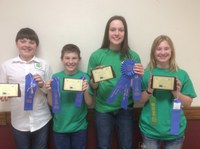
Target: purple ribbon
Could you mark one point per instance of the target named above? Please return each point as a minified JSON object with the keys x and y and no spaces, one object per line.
{"x":136,"y":88}
{"x":55,"y":88}
{"x":175,"y":117}
{"x":79,"y":96}
{"x":30,"y":89}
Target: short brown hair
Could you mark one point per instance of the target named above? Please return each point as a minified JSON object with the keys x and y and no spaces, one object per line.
{"x":27,"y":33}
{"x":70,"y":48}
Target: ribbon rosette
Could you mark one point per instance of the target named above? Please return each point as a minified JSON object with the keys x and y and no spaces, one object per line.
{"x":124,"y":84}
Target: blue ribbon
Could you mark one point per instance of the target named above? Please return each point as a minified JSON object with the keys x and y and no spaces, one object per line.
{"x":136,"y":88}
{"x":126,"y":92}
{"x":175,"y":117}
{"x":30,"y":89}
{"x":124,"y":84}
{"x":79,"y":96}
{"x":55,"y":95}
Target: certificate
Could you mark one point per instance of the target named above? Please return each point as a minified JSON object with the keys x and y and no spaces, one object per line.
{"x":101,"y":74}
{"x":163,"y":82}
{"x":72,"y":84}
{"x":10,"y":90}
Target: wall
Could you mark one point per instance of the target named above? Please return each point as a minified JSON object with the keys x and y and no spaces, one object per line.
{"x":82,"y":22}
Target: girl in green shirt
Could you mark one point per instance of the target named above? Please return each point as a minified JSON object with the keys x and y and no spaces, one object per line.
{"x":156,"y":122}
{"x":113,"y":52}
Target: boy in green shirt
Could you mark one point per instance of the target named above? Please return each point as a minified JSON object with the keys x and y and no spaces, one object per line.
{"x":70,"y":124}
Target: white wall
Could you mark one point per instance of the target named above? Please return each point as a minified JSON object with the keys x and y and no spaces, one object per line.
{"x":82,"y":22}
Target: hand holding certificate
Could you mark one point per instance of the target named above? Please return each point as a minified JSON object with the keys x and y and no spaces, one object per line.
{"x":72,"y":84}
{"x":10,"y":90}
{"x":103,"y":73}
{"x":163,"y":82}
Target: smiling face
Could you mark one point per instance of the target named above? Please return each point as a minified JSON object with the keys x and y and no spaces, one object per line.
{"x":162,"y":54}
{"x":116,"y":34}
{"x":70,"y":61}
{"x":27,"y":48}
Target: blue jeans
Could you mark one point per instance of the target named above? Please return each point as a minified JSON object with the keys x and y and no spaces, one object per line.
{"x":75,"y":140}
{"x":122,"y":120}
{"x":32,"y":140}
{"x":151,"y":143}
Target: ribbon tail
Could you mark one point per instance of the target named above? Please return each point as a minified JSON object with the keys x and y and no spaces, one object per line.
{"x":136,"y":89}
{"x":55,"y":95}
{"x":79,"y":96}
{"x":153,"y":107}
{"x":176,"y":117}
{"x":30,"y":89}
{"x":126,"y":92}
{"x":175,"y":122}
{"x":115,"y":91}
{"x":78,"y":99}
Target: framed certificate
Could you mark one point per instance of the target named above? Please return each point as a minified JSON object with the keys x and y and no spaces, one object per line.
{"x":163,"y":82}
{"x":72,"y":84}
{"x":101,"y":74}
{"x":10,"y":90}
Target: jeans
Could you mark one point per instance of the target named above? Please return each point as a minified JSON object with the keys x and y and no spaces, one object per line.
{"x":122,"y":120}
{"x":151,"y":143}
{"x":74,"y":140}
{"x":32,"y":140}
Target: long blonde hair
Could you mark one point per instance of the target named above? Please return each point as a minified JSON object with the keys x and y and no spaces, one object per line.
{"x":172,"y":62}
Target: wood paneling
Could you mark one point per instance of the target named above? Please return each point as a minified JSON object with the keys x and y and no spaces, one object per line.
{"x":192,"y":113}
{"x":191,"y":135}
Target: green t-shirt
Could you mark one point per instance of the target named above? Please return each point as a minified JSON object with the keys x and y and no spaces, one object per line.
{"x":106,"y":57}
{"x":70,"y":118}
{"x":164,"y":106}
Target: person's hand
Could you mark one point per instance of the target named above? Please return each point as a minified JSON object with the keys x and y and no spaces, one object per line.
{"x":3,"y":98}
{"x":48,"y":85}
{"x":93,"y":84}
{"x":178,"y":88}
{"x":85,"y":85}
{"x":39,"y":80}
{"x":149,"y":89}
{"x":138,"y":69}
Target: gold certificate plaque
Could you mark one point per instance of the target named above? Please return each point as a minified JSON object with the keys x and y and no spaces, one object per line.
{"x":163,"y":82}
{"x":101,"y":74}
{"x":10,"y":90}
{"x":72,"y":84}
